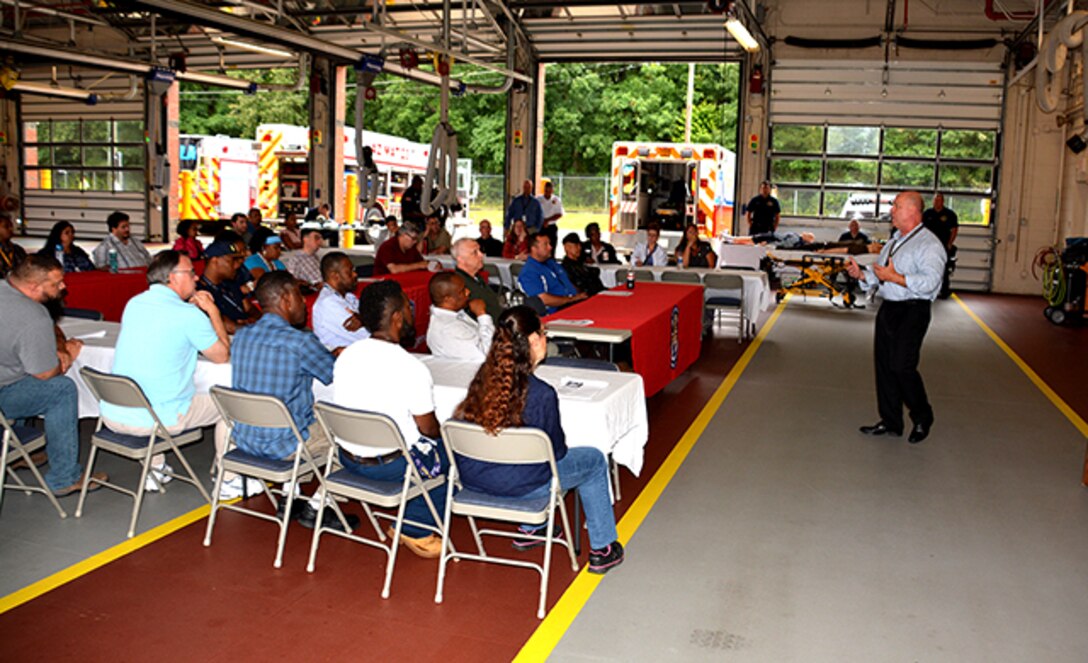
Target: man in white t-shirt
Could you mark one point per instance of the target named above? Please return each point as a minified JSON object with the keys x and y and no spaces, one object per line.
{"x":378,"y":375}
{"x":552,"y":208}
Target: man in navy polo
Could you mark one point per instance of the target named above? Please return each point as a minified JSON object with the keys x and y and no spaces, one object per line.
{"x":545,"y":278}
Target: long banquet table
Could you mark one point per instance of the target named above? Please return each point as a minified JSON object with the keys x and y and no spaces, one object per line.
{"x":599,"y":409}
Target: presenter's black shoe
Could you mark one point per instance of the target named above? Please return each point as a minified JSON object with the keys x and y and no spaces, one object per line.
{"x":880,"y":428}
{"x":918,"y":433}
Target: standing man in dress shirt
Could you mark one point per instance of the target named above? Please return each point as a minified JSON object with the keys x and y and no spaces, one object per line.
{"x":304,"y":264}
{"x":452,"y":332}
{"x":551,"y":208}
{"x":543,"y":277}
{"x":336,"y":311}
{"x":130,"y":253}
{"x":908,"y":275}
{"x":525,"y":207}
{"x":764,"y":212}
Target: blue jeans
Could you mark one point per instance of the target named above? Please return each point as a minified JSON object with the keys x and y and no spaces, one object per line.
{"x":586,"y":469}
{"x":416,"y":509}
{"x":56,"y":400}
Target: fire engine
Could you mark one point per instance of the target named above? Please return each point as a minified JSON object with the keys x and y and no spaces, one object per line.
{"x":206,"y":164}
{"x":673,"y":184}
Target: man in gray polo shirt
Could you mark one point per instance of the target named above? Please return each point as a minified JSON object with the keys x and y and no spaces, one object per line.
{"x":32,"y":367}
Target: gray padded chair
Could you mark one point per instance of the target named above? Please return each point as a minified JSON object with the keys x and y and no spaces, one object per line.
{"x":494,"y":274}
{"x":515,"y":271}
{"x":512,"y":446}
{"x":720,"y":303}
{"x":643,"y":275}
{"x":376,"y":430}
{"x":19,"y":442}
{"x":263,"y":411}
{"x":124,"y":392}
{"x":681,"y":277}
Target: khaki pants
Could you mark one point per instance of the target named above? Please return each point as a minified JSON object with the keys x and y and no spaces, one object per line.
{"x":202,"y":412}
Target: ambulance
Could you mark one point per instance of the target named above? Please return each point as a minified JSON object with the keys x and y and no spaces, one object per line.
{"x":672,"y":184}
{"x":218,"y":177}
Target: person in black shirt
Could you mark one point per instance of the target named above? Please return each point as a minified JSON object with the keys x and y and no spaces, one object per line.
{"x":596,"y":252}
{"x":587,"y":279}
{"x":218,"y":278}
{"x":943,"y":222}
{"x":411,"y":201}
{"x":854,"y":234}
{"x":764,"y":211}
{"x":491,"y":247}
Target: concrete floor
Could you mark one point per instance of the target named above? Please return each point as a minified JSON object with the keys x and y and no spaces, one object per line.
{"x":796,"y":538}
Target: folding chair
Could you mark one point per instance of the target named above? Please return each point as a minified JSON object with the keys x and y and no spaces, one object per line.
{"x":643,"y":275}
{"x":681,"y":277}
{"x":515,"y":272}
{"x":512,"y":446}
{"x":124,"y":392}
{"x":379,"y":431}
{"x":494,"y":275}
{"x":719,"y":303}
{"x":262,"y":411}
{"x":22,"y":441}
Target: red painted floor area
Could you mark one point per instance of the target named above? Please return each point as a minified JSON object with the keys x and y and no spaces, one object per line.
{"x":176,"y":600}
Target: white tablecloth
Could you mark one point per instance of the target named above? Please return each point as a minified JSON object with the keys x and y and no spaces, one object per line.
{"x":610,"y":416}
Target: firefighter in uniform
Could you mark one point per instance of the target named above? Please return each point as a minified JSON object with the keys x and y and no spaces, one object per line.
{"x":943,"y":222}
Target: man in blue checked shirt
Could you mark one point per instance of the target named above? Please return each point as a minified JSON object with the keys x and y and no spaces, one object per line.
{"x":273,"y":357}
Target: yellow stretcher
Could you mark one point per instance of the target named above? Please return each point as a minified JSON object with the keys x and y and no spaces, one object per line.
{"x":821,"y":275}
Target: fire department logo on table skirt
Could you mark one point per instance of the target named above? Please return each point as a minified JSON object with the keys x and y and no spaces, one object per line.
{"x":674,"y":336}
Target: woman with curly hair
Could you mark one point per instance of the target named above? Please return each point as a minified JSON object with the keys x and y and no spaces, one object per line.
{"x":506,"y":394}
{"x":187,"y":242}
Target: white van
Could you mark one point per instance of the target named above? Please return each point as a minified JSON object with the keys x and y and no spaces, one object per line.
{"x":864,"y":206}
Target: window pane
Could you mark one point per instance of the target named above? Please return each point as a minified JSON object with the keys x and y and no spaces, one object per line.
{"x":853,"y":140}
{"x":32,"y":178}
{"x":130,"y":131}
{"x":96,"y":156}
{"x":65,"y":132}
{"x":910,"y":142}
{"x":796,"y":171}
{"x":970,"y":210}
{"x":799,"y":202}
{"x":34,"y":132}
{"x":851,"y":172}
{"x":66,"y":156}
{"x":98,"y":180}
{"x":908,"y":175}
{"x":798,"y":138}
{"x":96,"y":131}
{"x":968,"y":144}
{"x":966,"y":178}
{"x":129,"y":156}
{"x":33,"y":156}
{"x":66,"y":179}
{"x":859,"y":204}
{"x":131,"y":181}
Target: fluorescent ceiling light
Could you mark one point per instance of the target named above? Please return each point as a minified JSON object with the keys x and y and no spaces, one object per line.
{"x":48,"y":90}
{"x":216,"y":79}
{"x":741,"y":34}
{"x":255,"y":48}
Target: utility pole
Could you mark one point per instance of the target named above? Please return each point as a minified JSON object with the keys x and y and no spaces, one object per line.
{"x":691,"y":97}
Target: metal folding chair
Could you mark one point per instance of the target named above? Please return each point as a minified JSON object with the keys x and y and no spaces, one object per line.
{"x":378,"y":431}
{"x":513,"y":446}
{"x":262,"y":411}
{"x":681,"y":277}
{"x":719,"y":303}
{"x":515,"y":272}
{"x":124,"y":392}
{"x":20,"y":442}
{"x":645,"y":275}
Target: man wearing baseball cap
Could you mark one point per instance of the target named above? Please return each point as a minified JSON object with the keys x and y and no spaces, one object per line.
{"x":218,"y":280}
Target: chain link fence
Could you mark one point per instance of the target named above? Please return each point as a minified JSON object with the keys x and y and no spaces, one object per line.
{"x":579,"y":193}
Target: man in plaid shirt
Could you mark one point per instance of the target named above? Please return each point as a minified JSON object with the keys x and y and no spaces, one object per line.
{"x":273,"y":357}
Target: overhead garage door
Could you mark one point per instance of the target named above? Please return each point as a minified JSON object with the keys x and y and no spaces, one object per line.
{"x":847,"y":136}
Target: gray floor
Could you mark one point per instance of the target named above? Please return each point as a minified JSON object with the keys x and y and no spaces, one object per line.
{"x":795,"y":538}
{"x":35,"y":543}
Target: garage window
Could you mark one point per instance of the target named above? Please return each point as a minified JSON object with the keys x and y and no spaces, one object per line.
{"x":84,"y":155}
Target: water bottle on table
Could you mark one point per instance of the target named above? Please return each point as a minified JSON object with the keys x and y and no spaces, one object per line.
{"x":113,"y":261}
{"x":58,"y":253}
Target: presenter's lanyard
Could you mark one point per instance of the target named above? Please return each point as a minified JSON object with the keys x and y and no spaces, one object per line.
{"x":898,"y":244}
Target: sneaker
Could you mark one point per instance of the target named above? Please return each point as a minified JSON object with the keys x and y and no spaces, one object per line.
{"x":427,"y":547}
{"x":604,"y":559}
{"x":161,"y":472}
{"x":307,"y":517}
{"x":233,"y":488}
{"x":528,"y":543}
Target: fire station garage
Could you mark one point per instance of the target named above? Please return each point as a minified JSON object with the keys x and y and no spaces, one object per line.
{"x":834,"y":371}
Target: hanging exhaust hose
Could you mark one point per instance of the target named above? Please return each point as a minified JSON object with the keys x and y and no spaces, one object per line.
{"x":441,"y":178}
{"x":1067,"y":34}
{"x":369,"y":177}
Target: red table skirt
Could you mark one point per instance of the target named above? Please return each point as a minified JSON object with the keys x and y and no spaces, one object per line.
{"x":104,"y":292}
{"x":416,"y":286}
{"x":666,"y":323}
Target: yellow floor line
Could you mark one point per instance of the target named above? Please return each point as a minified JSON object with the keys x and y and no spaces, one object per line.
{"x":99,"y":560}
{"x":558,"y":620}
{"x":1062,"y":406}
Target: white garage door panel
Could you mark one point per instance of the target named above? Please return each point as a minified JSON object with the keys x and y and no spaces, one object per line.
{"x":86,"y":211}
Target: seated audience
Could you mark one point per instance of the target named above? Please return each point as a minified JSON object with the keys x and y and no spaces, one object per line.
{"x":162,"y":331}
{"x":291,"y":235}
{"x":436,"y":239}
{"x":253,"y":221}
{"x":693,"y":251}
{"x":452,"y":332}
{"x":304,"y":264}
{"x":319,"y":213}
{"x":469,"y":265}
{"x":400,"y":254}
{"x":649,"y":253}
{"x":266,"y":248}
{"x":130,"y":252}
{"x":506,"y":394}
{"x":33,"y":362}
{"x":218,"y":279}
{"x":336,"y":318}
{"x":595,"y":251}
{"x":408,"y":400}
{"x":854,"y":234}
{"x":387,"y":231}
{"x":584,"y":277}
{"x":273,"y":356}
{"x":491,"y":247}
{"x":64,"y":236}
{"x":516,"y":246}
{"x":543,"y":277}
{"x":187,"y":242}
{"x":239,"y":223}
{"x":11,"y":254}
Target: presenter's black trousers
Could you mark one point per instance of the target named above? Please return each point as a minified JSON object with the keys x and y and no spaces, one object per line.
{"x":900,"y":329}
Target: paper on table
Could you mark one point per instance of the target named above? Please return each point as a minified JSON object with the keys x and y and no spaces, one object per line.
{"x":101,"y":333}
{"x":616,"y":293}
{"x":571,"y":323}
{"x":580,"y":389}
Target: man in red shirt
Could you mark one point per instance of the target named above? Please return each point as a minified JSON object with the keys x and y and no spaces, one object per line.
{"x":399,"y":254}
